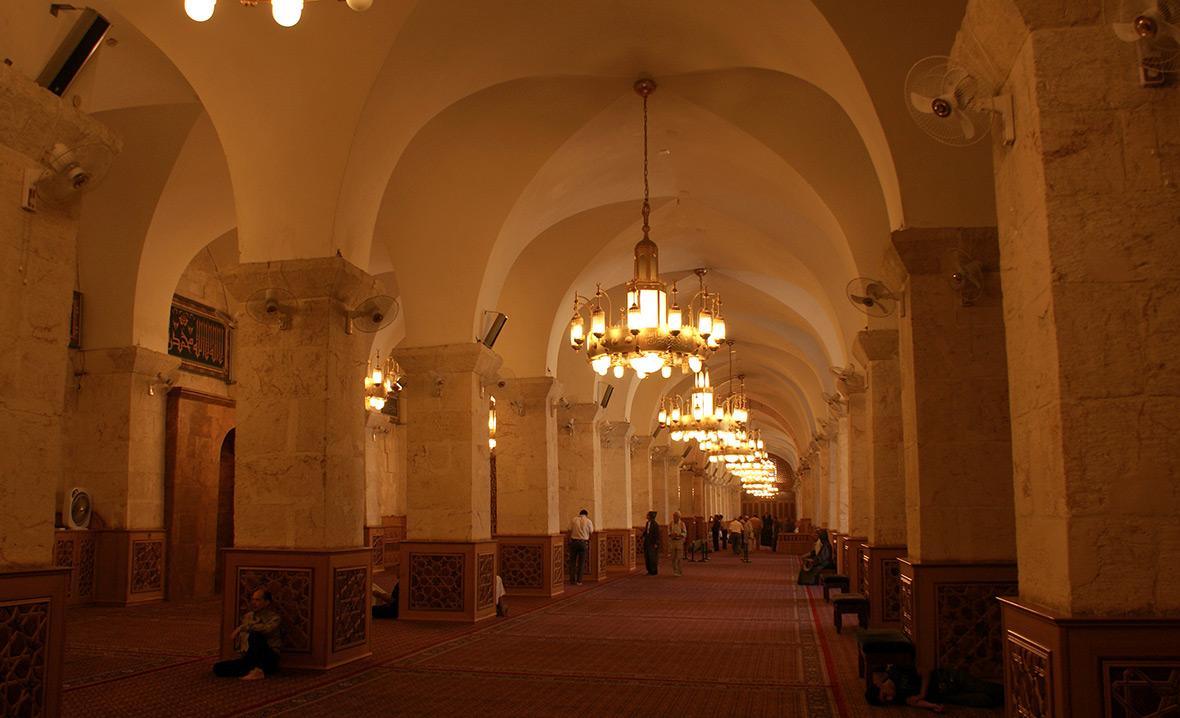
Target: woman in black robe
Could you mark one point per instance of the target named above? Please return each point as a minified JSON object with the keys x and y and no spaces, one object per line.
{"x":716,"y":528}
{"x":651,"y":544}
{"x":821,"y":557}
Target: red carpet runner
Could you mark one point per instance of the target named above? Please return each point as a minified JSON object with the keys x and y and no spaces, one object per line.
{"x":726,"y":639}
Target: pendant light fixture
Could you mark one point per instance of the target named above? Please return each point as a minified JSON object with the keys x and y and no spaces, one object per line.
{"x":650,"y":336}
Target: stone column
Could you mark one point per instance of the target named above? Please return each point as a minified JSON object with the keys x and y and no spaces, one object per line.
{"x":299,"y":478}
{"x":958,"y":458}
{"x":880,"y":573}
{"x":698,"y":506}
{"x":807,"y":491}
{"x":641,"y":478}
{"x":854,"y":532}
{"x":1086,"y":202}
{"x":579,"y":477}
{"x":38,"y":287}
{"x":663,"y":464}
{"x":823,"y":482}
{"x":532,"y":552}
{"x":616,"y":495}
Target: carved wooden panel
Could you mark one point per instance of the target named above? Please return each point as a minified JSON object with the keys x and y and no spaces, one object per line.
{"x":891,"y":589}
{"x":290,"y":591}
{"x":63,"y":555}
{"x":485,"y":580}
{"x":521,"y":566}
{"x":84,"y":568}
{"x":907,"y":607}
{"x":436,"y":582}
{"x":614,"y":551}
{"x":495,"y":519}
{"x":1141,"y":689}
{"x":1027,"y":666}
{"x":147,"y":566}
{"x":866,"y":563}
{"x":968,"y":626}
{"x":350,"y":607}
{"x":378,"y":541}
{"x":558,"y":564}
{"x":24,"y":653}
{"x":601,"y":555}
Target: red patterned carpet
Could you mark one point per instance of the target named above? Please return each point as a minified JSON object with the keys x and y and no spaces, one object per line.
{"x":726,"y":639}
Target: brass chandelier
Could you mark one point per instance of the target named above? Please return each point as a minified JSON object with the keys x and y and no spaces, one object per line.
{"x":382,"y":381}
{"x":650,"y":336}
{"x":701,"y":418}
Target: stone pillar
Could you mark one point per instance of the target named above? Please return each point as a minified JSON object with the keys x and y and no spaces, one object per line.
{"x":120,"y":445}
{"x":880,"y":571}
{"x":1086,"y":201}
{"x":579,"y":478}
{"x":958,"y":462}
{"x":448,"y":564}
{"x":532,"y":551}
{"x":823,"y":483}
{"x":641,"y":478}
{"x":854,"y":532}
{"x":808,"y":486}
{"x":662,"y":465}
{"x":299,"y":478}
{"x":38,"y":287}
{"x":616,"y":496}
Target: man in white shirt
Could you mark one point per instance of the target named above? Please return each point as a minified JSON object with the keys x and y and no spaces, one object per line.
{"x":735,"y":535}
{"x":580,"y":530}
{"x":677,"y":532}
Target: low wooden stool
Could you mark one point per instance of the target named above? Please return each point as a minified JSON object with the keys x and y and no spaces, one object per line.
{"x":833,"y":580}
{"x":851,"y":603}
{"x":880,"y":647}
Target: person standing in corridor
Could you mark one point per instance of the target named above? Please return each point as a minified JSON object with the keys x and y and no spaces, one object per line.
{"x":677,"y":532}
{"x":651,"y":544}
{"x":580,"y":529}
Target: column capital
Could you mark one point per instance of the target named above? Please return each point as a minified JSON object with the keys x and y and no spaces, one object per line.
{"x":922,"y":250}
{"x":875,"y":345}
{"x":320,"y":277}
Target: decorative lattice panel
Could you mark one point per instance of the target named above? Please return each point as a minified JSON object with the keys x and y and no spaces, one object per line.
{"x":891,"y":589}
{"x":907,"y":608}
{"x":485,"y":580}
{"x":615,"y":546}
{"x":290,"y":596}
{"x":1028,"y":679}
{"x":436,"y":582}
{"x":521,"y":566}
{"x":24,"y":652}
{"x":969,"y":632}
{"x":1141,"y":689}
{"x":558,"y":564}
{"x":378,"y":550}
{"x":147,"y":566}
{"x":350,"y":607}
{"x":85,"y":567}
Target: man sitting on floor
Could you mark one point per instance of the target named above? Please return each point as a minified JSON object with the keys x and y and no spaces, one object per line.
{"x":257,"y":640}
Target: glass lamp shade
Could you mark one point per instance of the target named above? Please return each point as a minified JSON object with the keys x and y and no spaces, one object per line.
{"x":619,"y":372}
{"x":647,"y":363}
{"x":199,"y":10}
{"x":705,"y":324}
{"x":376,"y":403}
{"x":694,"y":363}
{"x":601,"y":364}
{"x":577,"y":331}
{"x":598,"y":322}
{"x":360,"y":5}
{"x":286,"y":12}
{"x":675,"y":320}
{"x":666,"y":371}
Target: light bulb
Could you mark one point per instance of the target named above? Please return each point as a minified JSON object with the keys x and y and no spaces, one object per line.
{"x":619,"y":371}
{"x":666,"y":371}
{"x":199,"y":10}
{"x":286,"y":12}
{"x":360,"y":5}
{"x":694,"y":363}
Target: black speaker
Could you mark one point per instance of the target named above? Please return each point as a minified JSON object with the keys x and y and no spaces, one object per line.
{"x":656,"y":433}
{"x":74,"y":51}
{"x":606,"y":392}
{"x":494,"y":330}
{"x":686,"y":450}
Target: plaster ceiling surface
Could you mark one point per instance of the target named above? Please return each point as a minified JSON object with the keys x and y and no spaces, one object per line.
{"x":487,"y":156}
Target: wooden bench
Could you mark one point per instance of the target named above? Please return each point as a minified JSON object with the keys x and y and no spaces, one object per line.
{"x":850,"y":603}
{"x":833,"y":580}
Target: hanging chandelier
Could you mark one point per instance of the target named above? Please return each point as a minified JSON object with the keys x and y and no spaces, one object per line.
{"x":382,"y":380}
{"x":285,"y":12}
{"x":650,"y":336}
{"x":702,"y":419}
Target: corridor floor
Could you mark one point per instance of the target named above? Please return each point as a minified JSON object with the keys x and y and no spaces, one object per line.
{"x":726,"y":639}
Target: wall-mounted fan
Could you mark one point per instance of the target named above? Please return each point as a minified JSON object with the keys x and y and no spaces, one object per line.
{"x":76,"y":510}
{"x":373,"y":314}
{"x":872,"y":297}
{"x":964,"y":274}
{"x":1154,"y":27}
{"x":952,"y":105}
{"x":272,"y":305}
{"x":69,"y":173}
{"x":834,"y":400}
